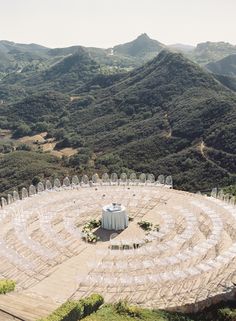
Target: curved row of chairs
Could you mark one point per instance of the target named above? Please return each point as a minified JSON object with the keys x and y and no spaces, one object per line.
{"x":205,"y":264}
{"x":74,"y":182}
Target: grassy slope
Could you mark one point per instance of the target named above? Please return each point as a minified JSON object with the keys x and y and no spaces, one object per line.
{"x":108,"y":313}
{"x":222,"y":312}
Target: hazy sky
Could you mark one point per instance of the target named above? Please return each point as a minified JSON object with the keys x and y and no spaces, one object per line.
{"x":105,"y":23}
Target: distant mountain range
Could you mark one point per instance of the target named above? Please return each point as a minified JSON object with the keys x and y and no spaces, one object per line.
{"x":25,"y":67}
{"x":212,"y":51}
{"x":16,"y":57}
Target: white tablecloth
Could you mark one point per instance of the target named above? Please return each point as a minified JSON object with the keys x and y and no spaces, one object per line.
{"x":114,"y":219}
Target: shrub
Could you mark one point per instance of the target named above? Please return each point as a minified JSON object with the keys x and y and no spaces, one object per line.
{"x":23,"y":147}
{"x":22,"y":130}
{"x":91,"y":304}
{"x":68,"y":311}
{"x":122,"y":307}
{"x":41,"y":127}
{"x":7,"y":286}
{"x":226,"y":314}
{"x":76,"y":310}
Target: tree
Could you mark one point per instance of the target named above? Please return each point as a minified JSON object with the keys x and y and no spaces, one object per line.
{"x":22,"y":130}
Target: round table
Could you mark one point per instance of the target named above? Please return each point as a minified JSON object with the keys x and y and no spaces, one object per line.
{"x":114,"y":217}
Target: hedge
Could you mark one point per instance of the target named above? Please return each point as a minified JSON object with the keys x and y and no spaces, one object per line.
{"x":76,"y":310}
{"x":7,"y":286}
{"x":91,"y":304}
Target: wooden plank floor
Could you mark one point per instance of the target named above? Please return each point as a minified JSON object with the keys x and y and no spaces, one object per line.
{"x":25,"y":307}
{"x":7,"y":317}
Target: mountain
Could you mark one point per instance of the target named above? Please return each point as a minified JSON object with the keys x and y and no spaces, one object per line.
{"x":10,"y":46}
{"x":225,"y":66}
{"x":141,"y":47}
{"x":182,"y":47}
{"x":212,"y":51}
{"x":224,"y":70}
{"x":169,"y":116}
{"x":14,"y":56}
{"x":72,"y":71}
{"x":68,"y":73}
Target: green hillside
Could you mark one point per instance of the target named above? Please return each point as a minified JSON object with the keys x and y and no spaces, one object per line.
{"x":155,"y":119}
{"x":227,"y":81}
{"x":169,"y":116}
{"x":21,"y":168}
{"x":65,"y":75}
{"x":15,"y":56}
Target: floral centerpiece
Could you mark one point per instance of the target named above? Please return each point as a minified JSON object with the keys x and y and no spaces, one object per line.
{"x":87,"y":231}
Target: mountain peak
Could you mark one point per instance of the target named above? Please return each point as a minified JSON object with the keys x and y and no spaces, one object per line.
{"x":143,"y":36}
{"x":142,"y":46}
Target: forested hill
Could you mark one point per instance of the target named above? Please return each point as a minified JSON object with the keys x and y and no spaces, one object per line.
{"x":169,"y":116}
{"x":66,"y":74}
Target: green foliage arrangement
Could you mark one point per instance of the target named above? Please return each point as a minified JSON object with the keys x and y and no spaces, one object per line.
{"x":145,"y":225}
{"x":76,"y":310}
{"x":87,"y":229}
{"x":90,"y":237}
{"x":92,"y":224}
{"x":7,"y":286}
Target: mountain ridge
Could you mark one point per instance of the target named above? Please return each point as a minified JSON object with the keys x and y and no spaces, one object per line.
{"x":16,"y":57}
{"x":151,"y":119}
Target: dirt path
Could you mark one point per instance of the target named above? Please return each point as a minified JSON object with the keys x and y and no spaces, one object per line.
{"x":202,"y":148}
{"x":167,"y":123}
